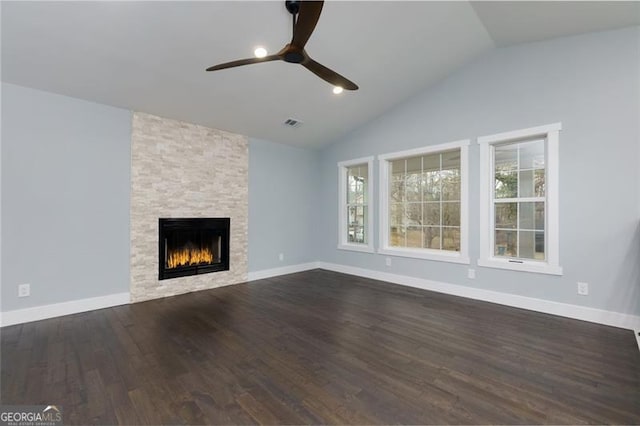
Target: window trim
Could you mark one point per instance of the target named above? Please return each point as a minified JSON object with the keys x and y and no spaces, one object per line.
{"x":343,"y":244}
{"x":551,"y":266}
{"x":430,"y":254}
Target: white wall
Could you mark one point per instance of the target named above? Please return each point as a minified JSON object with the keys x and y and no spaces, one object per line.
{"x":65,"y":198}
{"x":590,"y":84}
{"x":283,"y":184}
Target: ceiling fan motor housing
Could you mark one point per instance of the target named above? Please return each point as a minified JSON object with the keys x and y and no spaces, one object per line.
{"x":293,"y":6}
{"x":293,"y":55}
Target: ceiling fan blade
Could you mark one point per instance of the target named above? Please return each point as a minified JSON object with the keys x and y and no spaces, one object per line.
{"x":306,"y":22}
{"x":329,"y":75}
{"x":243,"y":62}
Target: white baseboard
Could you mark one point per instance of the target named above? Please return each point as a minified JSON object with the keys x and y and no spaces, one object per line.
{"x":291,"y":269}
{"x":37,"y":313}
{"x":583,"y":313}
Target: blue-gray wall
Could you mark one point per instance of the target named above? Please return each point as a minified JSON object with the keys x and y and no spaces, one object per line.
{"x":590,"y":83}
{"x":283,"y":182}
{"x":65,"y":198}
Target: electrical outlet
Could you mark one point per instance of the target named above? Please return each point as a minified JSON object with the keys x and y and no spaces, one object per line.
{"x":24,"y":290}
{"x":387,"y":261}
{"x":471,"y":274}
{"x":281,"y":257}
{"x":583,"y":289}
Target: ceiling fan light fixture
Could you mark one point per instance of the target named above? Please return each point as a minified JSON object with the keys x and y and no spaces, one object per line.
{"x":337,"y":90}
{"x":260,"y":52}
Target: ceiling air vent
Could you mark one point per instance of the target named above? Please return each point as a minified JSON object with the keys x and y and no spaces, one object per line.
{"x":292,"y":122}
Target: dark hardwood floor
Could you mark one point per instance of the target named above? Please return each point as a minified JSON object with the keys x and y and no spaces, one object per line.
{"x":320,"y":347}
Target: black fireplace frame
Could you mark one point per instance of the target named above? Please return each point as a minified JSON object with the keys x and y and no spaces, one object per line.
{"x":219,"y":225}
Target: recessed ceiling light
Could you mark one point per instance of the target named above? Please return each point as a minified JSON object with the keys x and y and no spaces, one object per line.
{"x":260,"y":52}
{"x":337,"y":90}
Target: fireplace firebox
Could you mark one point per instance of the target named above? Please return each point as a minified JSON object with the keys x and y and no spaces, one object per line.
{"x":193,"y":246}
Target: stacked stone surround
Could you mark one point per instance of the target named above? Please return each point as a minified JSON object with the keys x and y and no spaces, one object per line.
{"x":180,"y":169}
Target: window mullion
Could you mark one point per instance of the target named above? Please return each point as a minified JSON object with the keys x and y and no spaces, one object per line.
{"x":518,"y":202}
{"x":523,"y":200}
{"x":440,"y":202}
{"x":492,"y":200}
{"x":422,"y":212}
{"x":517,"y":229}
{"x":389,"y":167}
{"x":404,"y":201}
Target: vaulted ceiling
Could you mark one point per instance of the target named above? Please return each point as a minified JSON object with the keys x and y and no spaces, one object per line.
{"x":151,"y":56}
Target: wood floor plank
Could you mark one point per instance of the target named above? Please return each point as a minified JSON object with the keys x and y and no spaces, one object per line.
{"x":321,"y":347}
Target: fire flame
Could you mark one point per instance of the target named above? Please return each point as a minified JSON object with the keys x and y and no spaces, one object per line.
{"x":188,"y":257}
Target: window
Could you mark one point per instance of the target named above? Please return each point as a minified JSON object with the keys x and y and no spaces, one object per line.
{"x":355,"y":225}
{"x":519,"y":200}
{"x":423,"y":203}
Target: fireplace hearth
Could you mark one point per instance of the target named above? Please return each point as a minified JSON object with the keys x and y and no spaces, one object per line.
{"x":193,"y":246}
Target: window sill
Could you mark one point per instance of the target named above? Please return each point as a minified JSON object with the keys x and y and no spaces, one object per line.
{"x":452,"y":257}
{"x":356,"y":247}
{"x":535,"y":267}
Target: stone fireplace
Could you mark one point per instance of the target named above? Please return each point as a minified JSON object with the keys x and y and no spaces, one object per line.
{"x":186,"y":171}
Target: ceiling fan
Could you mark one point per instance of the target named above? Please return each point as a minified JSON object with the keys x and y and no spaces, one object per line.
{"x":305,"y":17}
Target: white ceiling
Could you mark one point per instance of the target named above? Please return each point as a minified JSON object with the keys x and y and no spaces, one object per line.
{"x":526,"y":21}
{"x":151,"y":56}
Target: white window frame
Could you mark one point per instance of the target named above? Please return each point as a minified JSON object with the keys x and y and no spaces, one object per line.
{"x":551,"y":265}
{"x":424,"y":253}
{"x":343,"y":243}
